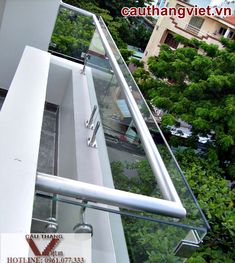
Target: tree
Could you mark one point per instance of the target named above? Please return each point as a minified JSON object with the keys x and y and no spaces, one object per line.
{"x":151,"y":242}
{"x":72,"y":33}
{"x":115,"y":6}
{"x":217,"y":201}
{"x":94,"y":7}
{"x":197,"y":87}
{"x":148,"y":242}
{"x":138,"y":35}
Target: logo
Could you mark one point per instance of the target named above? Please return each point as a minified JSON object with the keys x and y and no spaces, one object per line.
{"x":49,"y":248}
{"x":45,"y":248}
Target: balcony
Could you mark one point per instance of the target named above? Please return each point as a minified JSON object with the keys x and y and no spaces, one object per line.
{"x":114,"y":171}
{"x":193,"y":30}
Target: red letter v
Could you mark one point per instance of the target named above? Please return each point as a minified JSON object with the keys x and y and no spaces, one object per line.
{"x":33,"y":247}
{"x":47,"y":250}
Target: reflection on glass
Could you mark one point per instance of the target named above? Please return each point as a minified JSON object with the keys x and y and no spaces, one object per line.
{"x":72,"y":34}
{"x":130,"y":167}
{"x":147,"y":241}
{"x":150,"y":238}
{"x":47,"y":163}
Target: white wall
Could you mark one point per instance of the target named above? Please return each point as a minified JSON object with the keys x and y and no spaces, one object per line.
{"x":80,"y":162}
{"x":24,"y":22}
{"x":20,"y":130}
{"x":2,"y":8}
{"x":58,"y":81}
{"x":67,"y":215}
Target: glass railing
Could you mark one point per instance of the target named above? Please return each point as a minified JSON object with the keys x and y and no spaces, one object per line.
{"x":150,"y":237}
{"x":126,"y":152}
{"x":143,"y":239}
{"x":72,"y":35}
{"x":130,"y":167}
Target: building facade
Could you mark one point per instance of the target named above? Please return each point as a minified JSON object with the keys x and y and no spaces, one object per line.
{"x":209,"y":29}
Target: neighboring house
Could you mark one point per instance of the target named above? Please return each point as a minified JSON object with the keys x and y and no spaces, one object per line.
{"x":205,"y":3}
{"x":209,"y":29}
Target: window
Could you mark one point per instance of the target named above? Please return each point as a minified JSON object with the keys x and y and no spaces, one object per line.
{"x":222,"y":31}
{"x":231,"y":34}
{"x":195,"y":24}
{"x":170,"y":41}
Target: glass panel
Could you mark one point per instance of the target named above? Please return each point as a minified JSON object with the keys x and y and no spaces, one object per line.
{"x":42,"y":211}
{"x":72,"y":35}
{"x":195,"y":25}
{"x":47,"y":163}
{"x":125,"y":150}
{"x":47,"y":151}
{"x":130,"y":168}
{"x":147,"y":240}
{"x":196,"y":22}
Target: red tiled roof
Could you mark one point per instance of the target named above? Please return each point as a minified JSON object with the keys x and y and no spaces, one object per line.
{"x":230,"y":19}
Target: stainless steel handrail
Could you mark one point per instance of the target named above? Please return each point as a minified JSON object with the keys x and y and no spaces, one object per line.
{"x":109,"y":196}
{"x":159,"y":170}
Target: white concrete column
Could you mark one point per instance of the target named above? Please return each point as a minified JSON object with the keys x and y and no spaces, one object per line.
{"x":20,"y":131}
{"x":23,"y":22}
{"x":227,"y":33}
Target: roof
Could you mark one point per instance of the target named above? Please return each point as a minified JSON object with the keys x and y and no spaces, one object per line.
{"x":230,"y":19}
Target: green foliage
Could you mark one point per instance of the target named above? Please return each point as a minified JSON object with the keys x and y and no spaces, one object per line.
{"x":167,"y":119}
{"x":141,"y":74}
{"x":217,"y":201}
{"x":126,"y":54}
{"x":148,"y":242}
{"x":113,"y":25}
{"x":72,"y":33}
{"x":137,"y":62}
{"x":151,"y":242}
{"x":181,"y":40}
{"x":138,"y":35}
{"x":115,"y":6}
{"x":198,"y":89}
{"x":210,"y":49}
{"x":228,"y":43}
{"x":118,"y":26}
{"x":143,"y":183}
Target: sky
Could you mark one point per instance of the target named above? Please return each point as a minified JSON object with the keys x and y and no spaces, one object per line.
{"x":216,"y":2}
{"x":206,"y":2}
{"x":202,"y":2}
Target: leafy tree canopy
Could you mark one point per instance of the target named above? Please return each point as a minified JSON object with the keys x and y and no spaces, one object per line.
{"x":138,"y":35}
{"x":197,"y":84}
{"x":94,"y":7}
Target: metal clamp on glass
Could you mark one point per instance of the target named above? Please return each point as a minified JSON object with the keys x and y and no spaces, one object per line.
{"x":52,"y":227}
{"x":188,"y":245}
{"x":83,"y":227}
{"x":92,"y":140}
{"x":89,"y":123}
{"x":85,"y":57}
